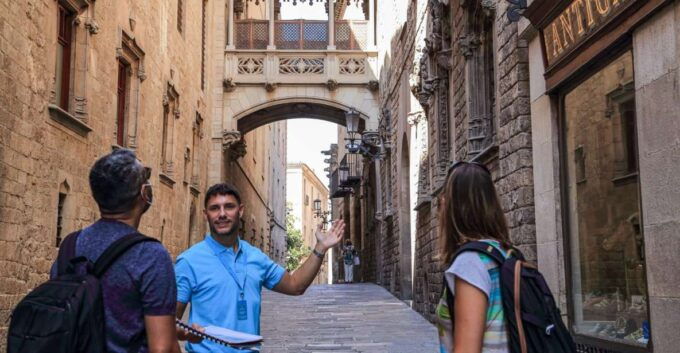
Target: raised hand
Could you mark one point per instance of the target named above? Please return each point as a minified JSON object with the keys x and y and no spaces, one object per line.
{"x":328,"y":239}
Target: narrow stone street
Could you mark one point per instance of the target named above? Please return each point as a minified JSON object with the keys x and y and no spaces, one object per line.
{"x":343,"y":319}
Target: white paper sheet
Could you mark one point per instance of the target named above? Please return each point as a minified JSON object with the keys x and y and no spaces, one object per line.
{"x":232,"y":336}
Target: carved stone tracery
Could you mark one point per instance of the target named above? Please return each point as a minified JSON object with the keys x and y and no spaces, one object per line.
{"x":234,"y":144}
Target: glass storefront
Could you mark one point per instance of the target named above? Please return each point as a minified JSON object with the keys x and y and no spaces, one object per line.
{"x":609,"y":296}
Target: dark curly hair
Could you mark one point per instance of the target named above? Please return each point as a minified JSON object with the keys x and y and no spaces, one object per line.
{"x":221,"y":189}
{"x":116,"y":180}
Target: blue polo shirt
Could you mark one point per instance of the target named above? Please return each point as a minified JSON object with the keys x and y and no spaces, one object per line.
{"x":204,"y":280}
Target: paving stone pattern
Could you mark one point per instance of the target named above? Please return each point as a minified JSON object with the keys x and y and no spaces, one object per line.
{"x":343,"y":318}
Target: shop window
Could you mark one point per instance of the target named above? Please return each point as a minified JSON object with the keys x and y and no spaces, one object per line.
{"x":609,"y":293}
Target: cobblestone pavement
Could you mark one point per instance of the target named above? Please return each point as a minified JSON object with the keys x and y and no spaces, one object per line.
{"x":343,"y":319}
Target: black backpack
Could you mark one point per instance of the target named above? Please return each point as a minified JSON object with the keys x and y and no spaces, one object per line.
{"x":66,"y":314}
{"x":534,"y":322}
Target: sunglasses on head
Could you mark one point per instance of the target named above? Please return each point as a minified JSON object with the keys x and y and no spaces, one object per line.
{"x":456,"y":164}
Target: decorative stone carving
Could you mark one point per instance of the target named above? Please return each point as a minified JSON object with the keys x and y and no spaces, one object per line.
{"x":371,"y":138}
{"x":141,"y":74}
{"x":80,"y":108}
{"x":443,"y":59}
{"x":373,"y":85}
{"x":233,"y":143}
{"x":239,"y":150}
{"x":229,"y":85}
{"x":467,"y":44}
{"x":270,"y":86}
{"x":92,"y":26}
{"x":250,"y":66}
{"x":332,"y":85}
{"x":415,"y":118}
{"x":296,"y":65}
{"x":516,"y":9}
{"x":229,"y":138}
{"x":352,"y":66}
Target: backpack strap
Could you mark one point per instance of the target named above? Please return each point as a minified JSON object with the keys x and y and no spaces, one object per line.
{"x":67,"y":251}
{"x":484,"y":248}
{"x":116,"y":249}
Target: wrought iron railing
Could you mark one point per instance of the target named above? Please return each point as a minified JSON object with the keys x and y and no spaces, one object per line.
{"x":351,"y":35}
{"x":251,"y":34}
{"x":352,"y":164}
{"x":301,"y":34}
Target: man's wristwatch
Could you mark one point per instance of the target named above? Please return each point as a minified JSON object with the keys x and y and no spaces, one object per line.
{"x":318,"y":254}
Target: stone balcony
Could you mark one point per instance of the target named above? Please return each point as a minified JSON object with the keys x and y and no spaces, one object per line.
{"x":271,"y":51}
{"x":306,"y":67}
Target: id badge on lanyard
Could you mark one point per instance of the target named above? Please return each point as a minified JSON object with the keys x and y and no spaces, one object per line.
{"x":241,"y":303}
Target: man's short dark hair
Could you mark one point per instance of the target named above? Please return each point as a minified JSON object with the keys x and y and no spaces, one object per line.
{"x":116,"y":180}
{"x":221,"y":189}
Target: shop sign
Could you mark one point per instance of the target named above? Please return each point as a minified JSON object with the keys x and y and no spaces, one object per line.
{"x":576,"y":22}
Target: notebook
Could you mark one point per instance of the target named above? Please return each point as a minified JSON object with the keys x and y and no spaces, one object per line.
{"x":223,"y":336}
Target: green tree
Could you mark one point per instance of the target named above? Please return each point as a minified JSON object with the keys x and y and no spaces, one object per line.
{"x":296,"y":247}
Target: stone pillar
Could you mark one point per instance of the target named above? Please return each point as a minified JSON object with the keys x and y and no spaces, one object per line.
{"x":271,"y":9}
{"x":230,"y":25}
{"x":331,"y":24}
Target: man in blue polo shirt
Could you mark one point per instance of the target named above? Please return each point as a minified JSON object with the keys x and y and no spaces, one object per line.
{"x":222,"y":276}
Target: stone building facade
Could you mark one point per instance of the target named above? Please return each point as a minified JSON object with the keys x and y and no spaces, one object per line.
{"x":454,"y":86}
{"x":604,"y":116}
{"x":303,"y":189}
{"x":80,"y":78}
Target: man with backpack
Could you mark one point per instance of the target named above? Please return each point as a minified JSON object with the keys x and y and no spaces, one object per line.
{"x":111,"y":289}
{"x":348,"y":259}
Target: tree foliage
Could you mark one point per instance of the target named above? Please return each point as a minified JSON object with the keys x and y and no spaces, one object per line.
{"x":294,"y":243}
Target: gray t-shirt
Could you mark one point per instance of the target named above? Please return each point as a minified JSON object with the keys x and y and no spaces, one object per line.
{"x":470,"y":268}
{"x":480,"y":271}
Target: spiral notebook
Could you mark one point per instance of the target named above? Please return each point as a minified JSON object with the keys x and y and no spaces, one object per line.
{"x":223,"y":336}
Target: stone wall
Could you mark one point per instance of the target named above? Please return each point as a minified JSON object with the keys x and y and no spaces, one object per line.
{"x":438,"y":48}
{"x":657,"y":73}
{"x":45,"y":151}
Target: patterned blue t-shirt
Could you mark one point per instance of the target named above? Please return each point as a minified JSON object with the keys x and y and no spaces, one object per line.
{"x":140,"y":282}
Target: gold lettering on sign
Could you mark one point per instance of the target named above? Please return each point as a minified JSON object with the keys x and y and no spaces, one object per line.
{"x":567,"y":31}
{"x":576,"y":8}
{"x":589,"y":12}
{"x":557,"y":46}
{"x":577,"y":22}
{"x":602,"y":9}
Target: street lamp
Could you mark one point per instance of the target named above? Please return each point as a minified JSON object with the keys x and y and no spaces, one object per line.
{"x":352,"y":118}
{"x":318,"y":213}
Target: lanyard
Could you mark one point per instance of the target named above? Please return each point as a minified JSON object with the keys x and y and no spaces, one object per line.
{"x":230,"y":268}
